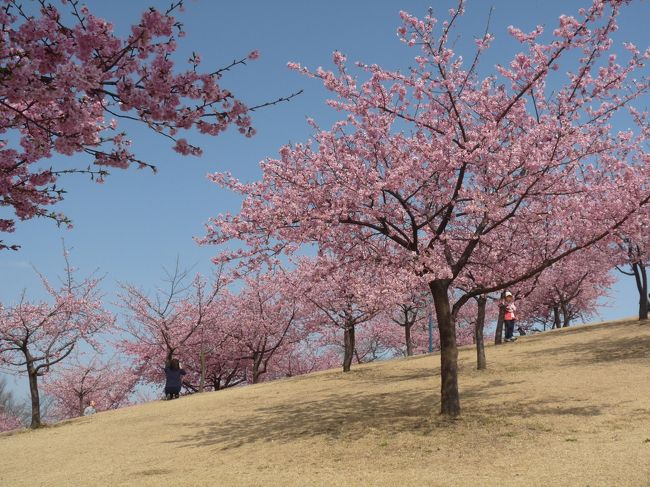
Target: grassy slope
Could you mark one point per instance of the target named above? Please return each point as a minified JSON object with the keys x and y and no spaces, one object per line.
{"x":570,"y":407}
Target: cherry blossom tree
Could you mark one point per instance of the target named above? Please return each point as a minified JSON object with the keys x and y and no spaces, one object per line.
{"x":470,"y":326}
{"x":444,"y":173}
{"x":221,"y":337}
{"x":572,"y":290}
{"x":342,"y":298}
{"x":411,"y":314}
{"x":378,"y":339}
{"x":37,"y":335}
{"x":375,"y":339}
{"x":632,"y":253}
{"x":9,"y":410}
{"x":8,"y":421}
{"x":303,"y":357}
{"x":163,"y":322}
{"x":264,"y":318}
{"x":212,"y":357}
{"x":481,"y":304}
{"x":74,"y":385}
{"x":223,"y":368}
{"x":64,"y":85}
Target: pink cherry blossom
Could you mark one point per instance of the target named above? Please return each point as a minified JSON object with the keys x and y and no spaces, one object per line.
{"x":8,"y":421}
{"x":67,"y":78}
{"x":74,"y":385}
{"x":35,"y":336}
{"x":456,"y":177}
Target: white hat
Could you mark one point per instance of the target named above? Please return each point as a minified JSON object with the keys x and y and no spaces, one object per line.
{"x":508,"y":293}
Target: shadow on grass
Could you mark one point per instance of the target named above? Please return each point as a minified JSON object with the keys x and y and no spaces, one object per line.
{"x":341,"y":416}
{"x":378,"y":376}
{"x":352,"y":415}
{"x":579,"y":329}
{"x":335,"y":416}
{"x":603,"y":350}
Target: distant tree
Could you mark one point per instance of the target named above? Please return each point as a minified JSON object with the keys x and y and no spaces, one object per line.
{"x":342,"y":298}
{"x":37,"y":335}
{"x":410,"y":314}
{"x":634,"y":254}
{"x":570,"y":290}
{"x":303,"y":357}
{"x":263,"y":321}
{"x":8,"y":421}
{"x":163,"y":322}
{"x":10,"y":412}
{"x":74,"y":385}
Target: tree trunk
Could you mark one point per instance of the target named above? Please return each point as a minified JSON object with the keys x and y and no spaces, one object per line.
{"x":348,"y":353}
{"x":202,"y":377}
{"x":481,"y":363}
{"x":641,"y":278}
{"x":556,"y":317}
{"x":356,"y":354}
{"x":449,"y":398}
{"x":409,"y":342}
{"x":257,"y":362}
{"x":36,"y":401}
{"x":81,"y":405}
{"x":566,"y":316}
{"x":498,"y":334}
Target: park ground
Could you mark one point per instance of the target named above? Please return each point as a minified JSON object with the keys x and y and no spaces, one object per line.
{"x":564,"y":408}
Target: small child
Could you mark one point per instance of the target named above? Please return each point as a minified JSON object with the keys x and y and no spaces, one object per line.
{"x":90,"y":409}
{"x":509,"y":318}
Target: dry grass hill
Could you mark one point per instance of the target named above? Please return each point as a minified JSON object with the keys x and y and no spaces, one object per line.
{"x":569,"y":407}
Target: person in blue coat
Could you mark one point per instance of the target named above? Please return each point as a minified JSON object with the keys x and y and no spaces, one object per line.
{"x":173,"y":378}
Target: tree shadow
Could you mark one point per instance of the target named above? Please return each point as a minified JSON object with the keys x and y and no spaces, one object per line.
{"x":549,"y":407}
{"x":371,"y":375}
{"x":599,"y":351}
{"x":350,"y":415}
{"x":579,"y":329}
{"x":336,"y":416}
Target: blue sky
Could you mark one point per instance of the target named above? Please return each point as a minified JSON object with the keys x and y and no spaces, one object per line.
{"x":138,"y":222}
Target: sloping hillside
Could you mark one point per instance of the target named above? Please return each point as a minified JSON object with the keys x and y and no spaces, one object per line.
{"x":570,"y":407}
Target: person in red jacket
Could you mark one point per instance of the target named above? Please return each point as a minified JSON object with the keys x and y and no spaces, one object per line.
{"x":510,"y":317}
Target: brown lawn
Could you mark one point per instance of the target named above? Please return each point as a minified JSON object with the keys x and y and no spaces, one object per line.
{"x":570,"y":407}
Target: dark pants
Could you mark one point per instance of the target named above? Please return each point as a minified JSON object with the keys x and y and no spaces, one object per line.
{"x":172,"y":392}
{"x":510,"y":328}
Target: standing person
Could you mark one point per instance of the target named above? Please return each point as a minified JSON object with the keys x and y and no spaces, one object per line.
{"x":509,"y":318}
{"x":90,"y":409}
{"x":173,"y":378}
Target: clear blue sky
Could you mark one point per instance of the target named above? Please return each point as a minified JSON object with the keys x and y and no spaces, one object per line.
{"x":137,"y":222}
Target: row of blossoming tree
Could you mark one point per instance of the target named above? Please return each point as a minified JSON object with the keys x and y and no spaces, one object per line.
{"x":317,"y":314}
{"x":472,"y":183}
{"x":278,"y":324}
{"x":439,"y":188}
